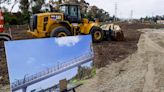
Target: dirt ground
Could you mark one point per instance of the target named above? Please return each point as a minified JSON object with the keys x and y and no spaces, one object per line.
{"x":142,"y":71}
{"x":106,"y":53}
{"x":112,"y":51}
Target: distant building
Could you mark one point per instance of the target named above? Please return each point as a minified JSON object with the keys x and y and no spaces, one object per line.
{"x":160,"y":21}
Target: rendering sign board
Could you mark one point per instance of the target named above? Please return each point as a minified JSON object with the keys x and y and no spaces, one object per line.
{"x":38,"y":64}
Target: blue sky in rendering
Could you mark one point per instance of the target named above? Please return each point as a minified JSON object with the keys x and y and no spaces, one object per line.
{"x":27,"y":57}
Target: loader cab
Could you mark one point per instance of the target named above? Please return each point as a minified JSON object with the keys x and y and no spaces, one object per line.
{"x":71,"y":12}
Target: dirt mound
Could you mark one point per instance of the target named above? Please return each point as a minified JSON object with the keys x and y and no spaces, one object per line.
{"x":4,"y":78}
{"x":134,"y":26}
{"x":142,"y":71}
{"x":108,"y":52}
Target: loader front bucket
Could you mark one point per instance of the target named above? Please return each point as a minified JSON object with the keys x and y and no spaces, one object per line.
{"x":118,"y":35}
{"x":113,"y":31}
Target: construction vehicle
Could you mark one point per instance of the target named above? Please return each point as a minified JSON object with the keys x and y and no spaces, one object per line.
{"x":3,"y":36}
{"x":66,"y":22}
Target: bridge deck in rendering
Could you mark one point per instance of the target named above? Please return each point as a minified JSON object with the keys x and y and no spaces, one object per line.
{"x":24,"y":83}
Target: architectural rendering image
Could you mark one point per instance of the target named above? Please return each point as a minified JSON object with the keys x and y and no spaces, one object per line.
{"x":41,"y":63}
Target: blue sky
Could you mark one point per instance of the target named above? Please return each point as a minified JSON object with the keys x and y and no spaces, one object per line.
{"x":27,"y":57}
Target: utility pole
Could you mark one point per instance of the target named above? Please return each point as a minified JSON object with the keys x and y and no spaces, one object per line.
{"x":152,"y":14}
{"x":131,"y":15}
{"x":115,"y":19}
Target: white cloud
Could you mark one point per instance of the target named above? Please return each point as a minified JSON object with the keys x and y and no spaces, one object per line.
{"x":67,"y":41}
{"x":30,"y":60}
{"x":43,"y":64}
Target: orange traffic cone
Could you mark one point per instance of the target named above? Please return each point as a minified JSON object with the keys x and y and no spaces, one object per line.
{"x":1,"y":22}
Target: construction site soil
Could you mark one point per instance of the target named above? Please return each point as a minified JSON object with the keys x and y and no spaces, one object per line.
{"x":141,"y":71}
{"x":106,"y":52}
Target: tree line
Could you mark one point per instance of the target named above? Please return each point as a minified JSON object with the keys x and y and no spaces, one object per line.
{"x":29,"y":7}
{"x":152,"y":19}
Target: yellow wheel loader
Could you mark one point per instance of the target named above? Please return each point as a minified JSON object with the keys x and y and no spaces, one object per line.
{"x":66,"y":22}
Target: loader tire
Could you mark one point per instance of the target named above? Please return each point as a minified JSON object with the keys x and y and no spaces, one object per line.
{"x":4,"y":38}
{"x":60,"y":32}
{"x":97,"y":34}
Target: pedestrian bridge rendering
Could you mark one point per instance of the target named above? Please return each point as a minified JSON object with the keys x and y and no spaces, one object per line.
{"x":50,"y":72}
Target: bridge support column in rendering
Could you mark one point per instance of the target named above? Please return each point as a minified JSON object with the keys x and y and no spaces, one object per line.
{"x":24,"y":89}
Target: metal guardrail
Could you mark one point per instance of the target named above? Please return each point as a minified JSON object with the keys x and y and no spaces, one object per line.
{"x":51,"y":70}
